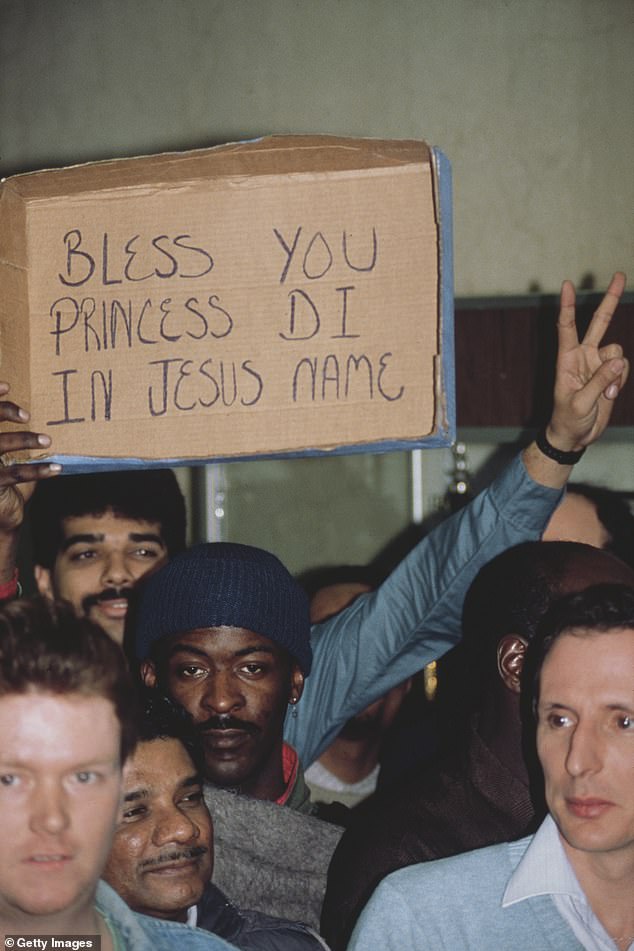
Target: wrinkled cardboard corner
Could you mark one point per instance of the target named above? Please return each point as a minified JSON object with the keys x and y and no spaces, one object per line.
{"x":277,"y":296}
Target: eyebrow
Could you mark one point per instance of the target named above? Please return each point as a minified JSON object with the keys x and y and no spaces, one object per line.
{"x":560,"y":705}
{"x":91,"y":539}
{"x":242,"y":652}
{"x":16,"y":762}
{"x":135,"y":795}
{"x":195,"y":780}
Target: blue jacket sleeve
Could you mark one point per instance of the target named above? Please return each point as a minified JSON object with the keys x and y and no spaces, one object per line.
{"x":415,"y":616}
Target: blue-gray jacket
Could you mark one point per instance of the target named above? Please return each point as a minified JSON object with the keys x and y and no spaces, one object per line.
{"x":415,"y":616}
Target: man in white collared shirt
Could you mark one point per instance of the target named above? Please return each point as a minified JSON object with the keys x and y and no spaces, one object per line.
{"x":571,"y":886}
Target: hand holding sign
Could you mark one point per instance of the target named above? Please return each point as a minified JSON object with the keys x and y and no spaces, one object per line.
{"x":17,"y":481}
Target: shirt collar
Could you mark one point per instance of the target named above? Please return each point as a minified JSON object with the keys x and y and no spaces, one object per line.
{"x":543,"y":870}
{"x":290,"y":768}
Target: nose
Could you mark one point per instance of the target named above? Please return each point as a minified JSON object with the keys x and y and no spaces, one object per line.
{"x":49,"y":810}
{"x":173,"y":825}
{"x":116,"y":572}
{"x":222,"y":692}
{"x":584,"y":751}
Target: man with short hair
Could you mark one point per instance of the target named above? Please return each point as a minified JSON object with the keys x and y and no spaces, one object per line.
{"x":94,"y":536}
{"x":568,"y":887}
{"x":162,"y":854}
{"x":67,"y":720}
{"x":477,"y":793}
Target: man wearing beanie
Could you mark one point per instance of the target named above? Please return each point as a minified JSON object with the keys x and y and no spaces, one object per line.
{"x":224,"y":631}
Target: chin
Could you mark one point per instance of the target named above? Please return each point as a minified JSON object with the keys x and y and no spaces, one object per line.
{"x":174,"y":907}
{"x":227,"y":772}
{"x":47,"y":904}
{"x":114,"y":629}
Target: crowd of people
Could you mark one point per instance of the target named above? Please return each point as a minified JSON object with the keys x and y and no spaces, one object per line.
{"x":159,"y":704}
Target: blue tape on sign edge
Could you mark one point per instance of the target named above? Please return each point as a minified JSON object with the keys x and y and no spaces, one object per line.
{"x":445,"y":416}
{"x":445,"y":212}
{"x":73,"y":464}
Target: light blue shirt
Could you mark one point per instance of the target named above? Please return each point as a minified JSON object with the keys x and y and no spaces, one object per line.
{"x":545,"y":870}
{"x":456,"y":904}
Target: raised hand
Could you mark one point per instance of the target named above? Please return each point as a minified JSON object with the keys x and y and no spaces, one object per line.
{"x":588,"y":377}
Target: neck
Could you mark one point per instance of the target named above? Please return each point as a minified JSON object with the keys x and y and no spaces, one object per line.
{"x":607,"y":880}
{"x":85,"y":921}
{"x":351,"y":760}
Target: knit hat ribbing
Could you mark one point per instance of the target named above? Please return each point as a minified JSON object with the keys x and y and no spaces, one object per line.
{"x":223,"y":583}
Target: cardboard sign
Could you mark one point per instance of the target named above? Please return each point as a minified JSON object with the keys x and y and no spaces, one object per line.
{"x":286,"y":295}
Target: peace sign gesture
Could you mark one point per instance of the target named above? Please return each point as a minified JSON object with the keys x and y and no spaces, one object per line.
{"x":588,"y":377}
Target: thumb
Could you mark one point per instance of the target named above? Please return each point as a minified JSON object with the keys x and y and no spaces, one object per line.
{"x":607,"y":381}
{"x":615,"y":386}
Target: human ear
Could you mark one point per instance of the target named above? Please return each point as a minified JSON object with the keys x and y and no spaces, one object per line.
{"x":297,"y":684}
{"x":43,"y":581}
{"x":510,"y":654}
{"x":148,"y":673}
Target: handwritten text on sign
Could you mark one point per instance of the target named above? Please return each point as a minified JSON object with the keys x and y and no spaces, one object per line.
{"x":112,"y":322}
{"x":231,"y":319}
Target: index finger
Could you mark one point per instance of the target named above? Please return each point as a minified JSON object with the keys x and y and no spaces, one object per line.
{"x":566,"y":323}
{"x":605,"y":311}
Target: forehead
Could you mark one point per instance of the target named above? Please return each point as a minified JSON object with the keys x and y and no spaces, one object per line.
{"x":590,"y":667}
{"x":158,"y":765}
{"x":576,"y":520}
{"x":109,"y":525}
{"x":43,"y":730}
{"x":225,"y":641}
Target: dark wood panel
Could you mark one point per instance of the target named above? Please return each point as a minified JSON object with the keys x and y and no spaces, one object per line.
{"x":505,"y":357}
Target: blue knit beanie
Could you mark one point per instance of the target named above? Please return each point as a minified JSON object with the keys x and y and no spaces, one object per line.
{"x":222,"y":583}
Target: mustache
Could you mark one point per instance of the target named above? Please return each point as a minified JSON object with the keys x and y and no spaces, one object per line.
{"x":176,"y":855}
{"x":108,"y":594}
{"x":224,"y":721}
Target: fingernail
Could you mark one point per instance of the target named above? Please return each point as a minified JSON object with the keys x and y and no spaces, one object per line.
{"x":612,"y":391}
{"x":22,"y":414}
{"x":44,"y":440}
{"x":54,"y":467}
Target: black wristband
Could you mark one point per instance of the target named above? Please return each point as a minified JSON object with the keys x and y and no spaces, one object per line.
{"x":563,"y":458}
